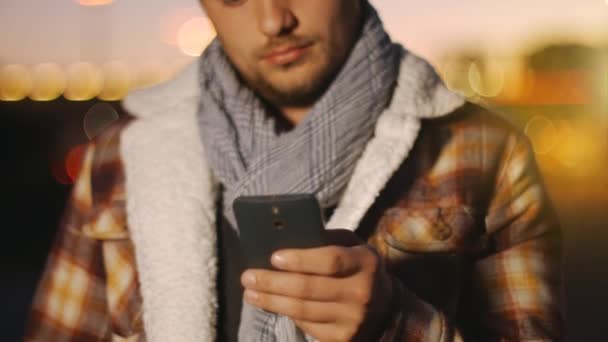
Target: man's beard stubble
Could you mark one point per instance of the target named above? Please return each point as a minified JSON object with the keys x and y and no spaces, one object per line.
{"x":307,"y":92}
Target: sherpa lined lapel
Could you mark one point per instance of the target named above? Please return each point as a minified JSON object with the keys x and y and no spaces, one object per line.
{"x":170,"y":212}
{"x":171,"y":192}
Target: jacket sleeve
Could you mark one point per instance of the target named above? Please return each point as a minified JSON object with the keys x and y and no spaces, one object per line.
{"x":88,"y":290}
{"x":515,"y":290}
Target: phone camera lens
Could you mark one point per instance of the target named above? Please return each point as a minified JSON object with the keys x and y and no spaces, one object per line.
{"x":278,"y":224}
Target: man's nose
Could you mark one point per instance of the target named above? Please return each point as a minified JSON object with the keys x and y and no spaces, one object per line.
{"x":275,"y":17}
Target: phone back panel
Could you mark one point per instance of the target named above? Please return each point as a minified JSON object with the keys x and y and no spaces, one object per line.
{"x":270,"y":223}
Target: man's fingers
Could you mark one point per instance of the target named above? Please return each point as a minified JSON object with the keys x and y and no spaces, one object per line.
{"x":294,"y":308}
{"x":308,"y":287}
{"x":334,"y":261}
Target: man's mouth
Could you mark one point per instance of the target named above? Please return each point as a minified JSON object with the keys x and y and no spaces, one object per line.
{"x":287,"y":54}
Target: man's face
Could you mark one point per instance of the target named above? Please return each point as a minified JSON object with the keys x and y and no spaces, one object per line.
{"x":286,"y":50}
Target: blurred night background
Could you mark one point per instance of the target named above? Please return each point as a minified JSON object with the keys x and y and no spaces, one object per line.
{"x":66,"y":64}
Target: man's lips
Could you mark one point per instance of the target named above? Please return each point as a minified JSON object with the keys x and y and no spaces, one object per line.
{"x":286,"y":54}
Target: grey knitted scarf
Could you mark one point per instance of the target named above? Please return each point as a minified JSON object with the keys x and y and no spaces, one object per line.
{"x":317,"y":156}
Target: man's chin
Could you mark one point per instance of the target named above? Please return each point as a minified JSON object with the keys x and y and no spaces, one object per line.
{"x":292,"y":95}
{"x":294,"y":88}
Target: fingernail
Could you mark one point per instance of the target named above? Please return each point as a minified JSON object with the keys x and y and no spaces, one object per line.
{"x":250,"y":295}
{"x":279,"y":260}
{"x":249,"y":279}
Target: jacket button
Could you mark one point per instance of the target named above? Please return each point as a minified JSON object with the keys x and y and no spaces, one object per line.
{"x":442,"y":231}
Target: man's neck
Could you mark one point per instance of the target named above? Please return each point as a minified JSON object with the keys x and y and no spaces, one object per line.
{"x":294,"y":115}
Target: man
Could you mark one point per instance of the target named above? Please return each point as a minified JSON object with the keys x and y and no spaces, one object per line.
{"x":454,"y":238}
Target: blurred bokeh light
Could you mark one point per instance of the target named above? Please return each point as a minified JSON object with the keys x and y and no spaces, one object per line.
{"x":117,"y":81}
{"x":194,"y":35}
{"x":487,"y":80}
{"x":94,"y":2}
{"x":542,"y":134}
{"x":85,"y":81}
{"x":48,"y":82}
{"x":59,"y":172}
{"x":73,"y":161}
{"x":173,"y":20}
{"x":15,"y":82}
{"x":97,"y":118}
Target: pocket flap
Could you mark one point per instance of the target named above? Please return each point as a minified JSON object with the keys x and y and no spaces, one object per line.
{"x":440,"y":229}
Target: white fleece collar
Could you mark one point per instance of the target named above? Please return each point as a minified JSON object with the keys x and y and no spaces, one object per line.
{"x":171,"y":192}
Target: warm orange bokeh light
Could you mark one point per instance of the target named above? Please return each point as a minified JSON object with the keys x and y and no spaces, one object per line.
{"x":73,"y":161}
{"x":59,"y":173}
{"x":172,"y":22}
{"x":94,"y":2}
{"x":194,"y":35}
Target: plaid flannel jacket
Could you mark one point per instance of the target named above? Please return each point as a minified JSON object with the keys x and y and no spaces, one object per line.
{"x":465,"y":226}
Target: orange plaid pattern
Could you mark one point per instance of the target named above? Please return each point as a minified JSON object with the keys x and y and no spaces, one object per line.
{"x":465,"y":227}
{"x":89,"y":290}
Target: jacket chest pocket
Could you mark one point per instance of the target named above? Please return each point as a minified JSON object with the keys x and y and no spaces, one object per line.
{"x":428,"y":249}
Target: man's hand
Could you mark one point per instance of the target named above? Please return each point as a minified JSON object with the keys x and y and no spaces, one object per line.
{"x":332,"y":293}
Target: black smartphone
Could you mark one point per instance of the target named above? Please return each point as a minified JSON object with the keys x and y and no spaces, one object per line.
{"x":269,"y":223}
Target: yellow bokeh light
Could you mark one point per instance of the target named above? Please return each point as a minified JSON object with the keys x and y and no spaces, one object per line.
{"x":85,"y":81}
{"x":454,"y":75}
{"x":194,"y":35}
{"x":580,"y":145}
{"x":94,"y":2}
{"x":542,"y":133}
{"x":488,"y":81}
{"x":514,"y":71}
{"x":15,"y":82}
{"x":117,"y":81}
{"x":49,"y":82}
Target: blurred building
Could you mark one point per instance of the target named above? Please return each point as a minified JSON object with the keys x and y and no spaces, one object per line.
{"x":557,"y":94}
